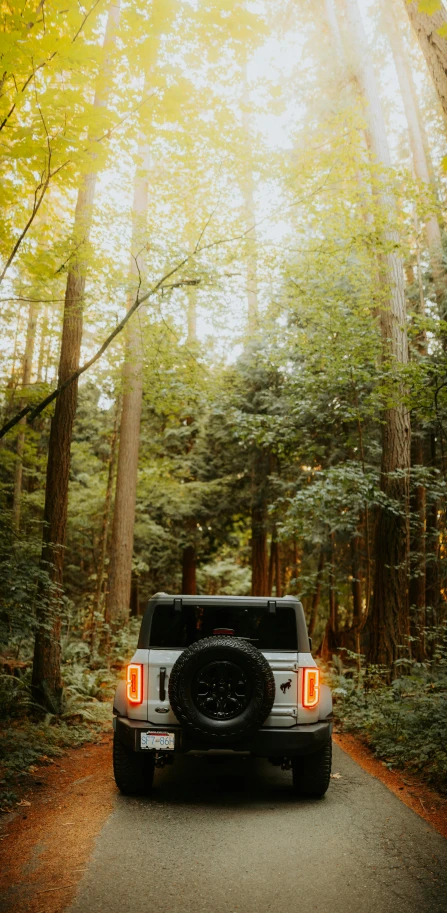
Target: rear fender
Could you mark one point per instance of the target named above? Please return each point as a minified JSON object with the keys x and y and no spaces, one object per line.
{"x":325,"y":707}
{"x":120,"y":700}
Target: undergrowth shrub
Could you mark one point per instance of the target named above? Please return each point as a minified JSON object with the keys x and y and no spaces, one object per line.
{"x":404,"y":722}
{"x":27,"y":738}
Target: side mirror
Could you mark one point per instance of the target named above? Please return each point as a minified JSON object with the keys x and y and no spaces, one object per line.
{"x":310,"y":644}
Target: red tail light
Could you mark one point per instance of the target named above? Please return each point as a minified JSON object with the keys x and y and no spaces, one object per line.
{"x":311,"y":687}
{"x":135,"y":683}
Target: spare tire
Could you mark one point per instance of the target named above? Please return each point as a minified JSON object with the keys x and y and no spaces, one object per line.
{"x":221,"y":687}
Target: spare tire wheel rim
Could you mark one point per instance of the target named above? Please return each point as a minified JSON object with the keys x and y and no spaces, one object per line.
{"x":221,"y":690}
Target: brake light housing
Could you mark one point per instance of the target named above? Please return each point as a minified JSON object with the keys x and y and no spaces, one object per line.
{"x":311,"y":687}
{"x":135,"y":683}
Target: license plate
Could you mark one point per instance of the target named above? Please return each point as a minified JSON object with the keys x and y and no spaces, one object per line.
{"x":161,"y":741}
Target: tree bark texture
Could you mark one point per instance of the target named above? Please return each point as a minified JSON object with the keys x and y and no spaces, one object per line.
{"x":46,"y":678}
{"x":390,"y":604}
{"x":317,"y":594}
{"x":357,"y":613}
{"x":418,"y":150}
{"x":434,"y":47}
{"x":189,"y":587}
{"x":259,"y":560}
{"x":121,"y":551}
{"x":259,"y":573}
{"x":432,"y":549}
{"x":98,"y":599}
{"x":26,"y":377}
{"x":417,"y":553}
{"x":249,"y":207}
{"x":274,"y":575}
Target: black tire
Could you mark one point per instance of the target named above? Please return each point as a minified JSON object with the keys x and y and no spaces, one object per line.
{"x":221,"y":687}
{"x":312,"y":773}
{"x":133,"y":771}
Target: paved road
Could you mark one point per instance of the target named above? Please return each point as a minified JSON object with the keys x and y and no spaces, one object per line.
{"x":228,"y":837}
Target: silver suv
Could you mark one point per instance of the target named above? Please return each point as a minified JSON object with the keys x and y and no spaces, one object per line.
{"x":232,"y":673}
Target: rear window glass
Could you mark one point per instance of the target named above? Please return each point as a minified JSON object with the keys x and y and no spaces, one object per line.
{"x":265,"y":630}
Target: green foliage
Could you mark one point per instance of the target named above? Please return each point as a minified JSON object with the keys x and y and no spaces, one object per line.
{"x":405,"y":722}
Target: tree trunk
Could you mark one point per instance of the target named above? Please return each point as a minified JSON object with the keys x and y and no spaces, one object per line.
{"x":274,"y":574}
{"x":41,"y":361}
{"x":250,"y":222}
{"x":434,"y":47}
{"x":26,"y":377}
{"x":432,"y":549}
{"x":259,"y":575}
{"x":330,"y":642}
{"x":357,"y":613}
{"x":259,"y":560}
{"x":46,"y":677}
{"x":420,"y":161}
{"x":417,"y":553}
{"x":332,"y":20}
{"x":98,"y":599}
{"x":121,"y":552}
{"x":134,"y":597}
{"x":317,"y":594}
{"x":333,"y":601}
{"x":189,"y":587}
{"x":390,"y":605}
{"x":278,"y":577}
{"x":295,"y":566}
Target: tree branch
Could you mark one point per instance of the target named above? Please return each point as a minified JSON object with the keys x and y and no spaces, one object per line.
{"x":32,"y":413}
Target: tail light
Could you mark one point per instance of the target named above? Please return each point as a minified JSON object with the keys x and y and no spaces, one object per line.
{"x":311,"y":687}
{"x":135,"y":683}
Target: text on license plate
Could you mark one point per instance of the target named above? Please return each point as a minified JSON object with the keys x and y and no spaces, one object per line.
{"x":162,"y":741}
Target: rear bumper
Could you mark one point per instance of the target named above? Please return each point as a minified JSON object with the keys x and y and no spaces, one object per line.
{"x":265,"y":743}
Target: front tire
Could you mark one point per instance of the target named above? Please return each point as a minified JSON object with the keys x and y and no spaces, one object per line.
{"x":133,"y":771}
{"x":312,"y":773}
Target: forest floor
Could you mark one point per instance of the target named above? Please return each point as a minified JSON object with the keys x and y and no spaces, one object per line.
{"x":48,"y":839}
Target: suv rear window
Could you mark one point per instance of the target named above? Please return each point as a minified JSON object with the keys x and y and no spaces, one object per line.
{"x":264,"y":629}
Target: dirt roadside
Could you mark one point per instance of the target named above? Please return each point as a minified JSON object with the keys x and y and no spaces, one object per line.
{"x":46,"y":843}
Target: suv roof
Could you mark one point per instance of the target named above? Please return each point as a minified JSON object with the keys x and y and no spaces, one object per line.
{"x":270,"y":603}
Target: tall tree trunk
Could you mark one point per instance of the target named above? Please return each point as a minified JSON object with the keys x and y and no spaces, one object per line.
{"x":98,"y":599}
{"x":259,"y":575}
{"x":134,"y":596}
{"x":357,"y":613}
{"x":259,"y":561}
{"x":278,"y":576}
{"x":189,"y":587}
{"x":272,"y":561}
{"x":417,"y":552}
{"x":249,"y":207}
{"x":432,"y":548}
{"x":46,"y":677}
{"x":332,"y":20}
{"x":434,"y":46}
{"x":390,"y":605}
{"x":121,"y":552}
{"x":41,"y":361}
{"x":274,"y":574}
{"x":420,"y":161}
{"x":191,"y":337}
{"x":317,"y":594}
{"x":295,"y":566}
{"x":26,"y":377}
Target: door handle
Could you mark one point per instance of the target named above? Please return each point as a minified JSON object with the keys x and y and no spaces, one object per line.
{"x":162,"y":689}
